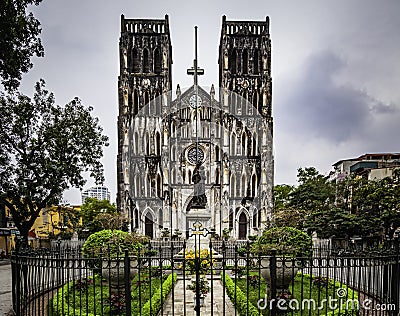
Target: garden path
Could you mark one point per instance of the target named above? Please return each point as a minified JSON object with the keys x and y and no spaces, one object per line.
{"x":177,"y":306}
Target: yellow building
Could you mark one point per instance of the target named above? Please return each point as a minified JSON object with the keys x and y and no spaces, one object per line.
{"x":56,"y":222}
{"x":52,"y":223}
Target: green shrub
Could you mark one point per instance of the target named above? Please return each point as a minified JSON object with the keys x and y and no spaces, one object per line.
{"x":285,"y":240}
{"x":74,"y":298}
{"x":113,"y":243}
{"x":159,"y":297}
{"x":240,"y":301}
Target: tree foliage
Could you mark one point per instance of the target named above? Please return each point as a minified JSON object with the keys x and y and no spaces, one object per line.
{"x":45,"y":150}
{"x":95,"y":212}
{"x":19,"y":40}
{"x":354,"y":206}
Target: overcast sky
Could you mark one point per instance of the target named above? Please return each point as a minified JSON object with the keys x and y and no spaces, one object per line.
{"x":335,"y":68}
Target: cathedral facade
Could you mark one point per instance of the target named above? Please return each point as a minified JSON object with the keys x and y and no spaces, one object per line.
{"x":196,"y":155}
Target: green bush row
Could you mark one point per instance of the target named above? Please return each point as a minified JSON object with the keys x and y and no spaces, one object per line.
{"x":59,"y":304}
{"x":159,"y":297}
{"x":240,"y":301}
{"x":350,"y":295}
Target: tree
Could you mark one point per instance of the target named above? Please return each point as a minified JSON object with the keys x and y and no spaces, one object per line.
{"x":282,"y":196}
{"x":19,"y":40}
{"x":45,"y":148}
{"x":92,"y":209}
{"x":314,"y":191}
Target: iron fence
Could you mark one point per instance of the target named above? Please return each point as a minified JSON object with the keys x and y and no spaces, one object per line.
{"x":171,"y":278}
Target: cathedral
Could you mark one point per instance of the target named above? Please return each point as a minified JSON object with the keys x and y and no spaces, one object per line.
{"x":200,"y":155}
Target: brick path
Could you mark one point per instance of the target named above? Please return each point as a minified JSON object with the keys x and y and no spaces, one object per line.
{"x":217,"y":303}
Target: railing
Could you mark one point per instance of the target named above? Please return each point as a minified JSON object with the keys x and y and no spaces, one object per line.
{"x":238,"y":281}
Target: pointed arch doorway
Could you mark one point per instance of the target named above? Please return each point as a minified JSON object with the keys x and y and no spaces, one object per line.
{"x":242,"y":226}
{"x":148,"y":225}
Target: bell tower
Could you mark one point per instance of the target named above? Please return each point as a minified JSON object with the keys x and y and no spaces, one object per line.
{"x":144,"y":83}
{"x":246,"y":95}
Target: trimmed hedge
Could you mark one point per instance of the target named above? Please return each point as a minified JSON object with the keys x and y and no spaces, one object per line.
{"x":112,"y":243}
{"x":62,"y":304}
{"x":240,"y":301}
{"x":58,"y":305}
{"x":159,"y":297}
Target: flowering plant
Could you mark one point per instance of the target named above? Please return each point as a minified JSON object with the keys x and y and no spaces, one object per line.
{"x":203,"y":285}
{"x":204,"y":257}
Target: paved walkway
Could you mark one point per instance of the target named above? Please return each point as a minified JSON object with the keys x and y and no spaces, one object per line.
{"x":179,"y":304}
{"x":5,"y":287}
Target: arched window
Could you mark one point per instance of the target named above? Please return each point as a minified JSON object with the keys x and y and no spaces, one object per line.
{"x":256,"y":61}
{"x":255,"y":144}
{"x":157,"y":61}
{"x":189,"y":176}
{"x":136,"y":218}
{"x":217,"y":175}
{"x":244,"y":102}
{"x":244,"y":143}
{"x":147,"y":186}
{"x":233,"y":144}
{"x":146,"y":100}
{"x":147,"y":142}
{"x":136,"y":140}
{"x":255,"y":218}
{"x":253,"y":185}
{"x":244,"y":185}
{"x":249,"y":147}
{"x":159,"y":186}
{"x":231,"y":219}
{"x":233,"y":185}
{"x":146,"y":64}
{"x":157,"y":101}
{"x":255,"y":101}
{"x":245,"y":64}
{"x":173,"y":129}
{"x":233,"y":61}
{"x":160,"y":217}
{"x":135,"y":60}
{"x":173,"y":176}
{"x":137,"y":185}
{"x":135,"y":102}
{"x":173,"y":153}
{"x":158,"y":144}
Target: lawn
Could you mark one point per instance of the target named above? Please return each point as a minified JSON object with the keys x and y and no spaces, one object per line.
{"x":93,"y":296}
{"x":308,"y":296}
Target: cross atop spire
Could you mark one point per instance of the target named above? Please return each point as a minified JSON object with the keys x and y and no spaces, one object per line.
{"x":195,"y":71}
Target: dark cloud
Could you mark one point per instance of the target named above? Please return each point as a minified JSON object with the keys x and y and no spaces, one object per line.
{"x":320,"y":106}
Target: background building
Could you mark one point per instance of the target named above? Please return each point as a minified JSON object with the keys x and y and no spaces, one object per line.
{"x":194,"y":157}
{"x":374,"y":166}
{"x":100,"y":193}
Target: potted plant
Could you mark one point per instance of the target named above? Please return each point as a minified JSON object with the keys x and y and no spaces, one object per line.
{"x":177,"y":234}
{"x":204,"y":288}
{"x":288,"y":244}
{"x":205,"y":261}
{"x":107,"y":248}
{"x":226,"y":232}
{"x":165,"y":233}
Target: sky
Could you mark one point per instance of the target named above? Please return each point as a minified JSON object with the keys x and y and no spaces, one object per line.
{"x":335,"y":69}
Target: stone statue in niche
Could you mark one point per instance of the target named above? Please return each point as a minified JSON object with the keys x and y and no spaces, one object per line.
{"x":199,"y":195}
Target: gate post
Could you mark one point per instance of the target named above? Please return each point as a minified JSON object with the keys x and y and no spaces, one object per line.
{"x":128,"y":297}
{"x":16,"y":283}
{"x":395,"y":276}
{"x":272,"y":267}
